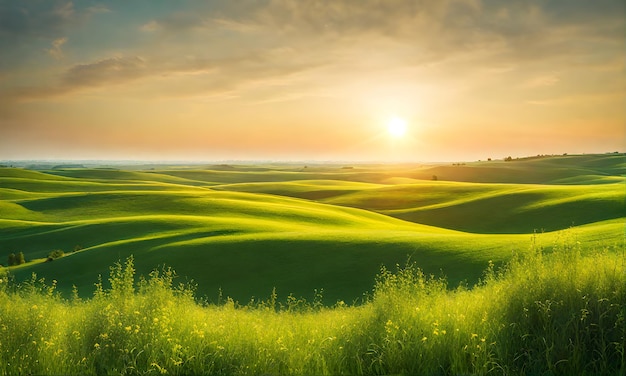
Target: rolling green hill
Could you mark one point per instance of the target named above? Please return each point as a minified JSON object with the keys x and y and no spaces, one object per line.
{"x":248,"y":229}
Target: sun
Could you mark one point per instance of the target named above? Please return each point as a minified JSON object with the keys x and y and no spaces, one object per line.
{"x":396,"y":127}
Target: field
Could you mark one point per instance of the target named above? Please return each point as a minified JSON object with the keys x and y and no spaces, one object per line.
{"x":286,"y":263}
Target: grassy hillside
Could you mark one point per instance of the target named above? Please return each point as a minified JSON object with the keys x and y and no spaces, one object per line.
{"x":494,"y":208}
{"x":248,"y":229}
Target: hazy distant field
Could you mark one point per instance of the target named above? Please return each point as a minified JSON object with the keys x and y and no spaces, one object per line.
{"x":248,"y":229}
{"x":295,"y":270}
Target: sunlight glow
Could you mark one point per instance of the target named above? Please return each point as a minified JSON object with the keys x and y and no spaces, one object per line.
{"x":396,"y":127}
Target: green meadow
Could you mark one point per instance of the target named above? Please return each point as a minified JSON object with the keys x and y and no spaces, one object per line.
{"x":512,"y":267}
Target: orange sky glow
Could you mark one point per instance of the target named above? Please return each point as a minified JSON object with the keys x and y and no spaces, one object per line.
{"x":310,"y":80}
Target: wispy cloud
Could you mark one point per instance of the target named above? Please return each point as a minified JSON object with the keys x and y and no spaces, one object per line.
{"x":107,"y":71}
{"x":544,"y":80}
{"x":55,"y":51}
{"x":186,"y":76}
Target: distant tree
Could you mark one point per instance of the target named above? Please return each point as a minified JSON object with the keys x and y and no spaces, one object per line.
{"x":11,"y":260}
{"x":20,"y":259}
{"x":56,"y":254}
{"x":508,"y":159}
{"x":489,"y":159}
{"x":435,"y":177}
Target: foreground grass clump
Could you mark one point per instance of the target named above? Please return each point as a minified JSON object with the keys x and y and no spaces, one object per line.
{"x":558,"y":313}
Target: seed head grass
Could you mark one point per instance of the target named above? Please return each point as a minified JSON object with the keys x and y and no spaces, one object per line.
{"x":556,"y":311}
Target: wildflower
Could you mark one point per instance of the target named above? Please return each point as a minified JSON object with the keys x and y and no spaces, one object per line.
{"x":443,"y":331}
{"x":128,"y":328}
{"x":34,"y":306}
{"x":424,"y":339}
{"x":155,"y":320}
{"x":96,"y":345}
{"x":483,"y":339}
{"x":474,"y":335}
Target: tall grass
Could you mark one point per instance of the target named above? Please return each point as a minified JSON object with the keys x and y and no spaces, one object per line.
{"x":556,"y":313}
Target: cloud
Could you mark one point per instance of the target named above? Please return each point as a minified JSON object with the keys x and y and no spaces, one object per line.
{"x":25,"y":26}
{"x":230,"y":76}
{"x":56,"y":51}
{"x":541,"y":81}
{"x":581,"y":99}
{"x":414,"y":33}
{"x":179,"y":76}
{"x":224,"y":46}
{"x":177,"y":22}
{"x":107,"y":71}
{"x":435,"y":30}
{"x":36,"y":18}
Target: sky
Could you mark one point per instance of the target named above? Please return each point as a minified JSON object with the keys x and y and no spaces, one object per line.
{"x":311,"y":80}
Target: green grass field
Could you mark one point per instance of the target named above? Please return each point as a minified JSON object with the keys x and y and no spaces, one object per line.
{"x":249,"y":229}
{"x":268,"y":236}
